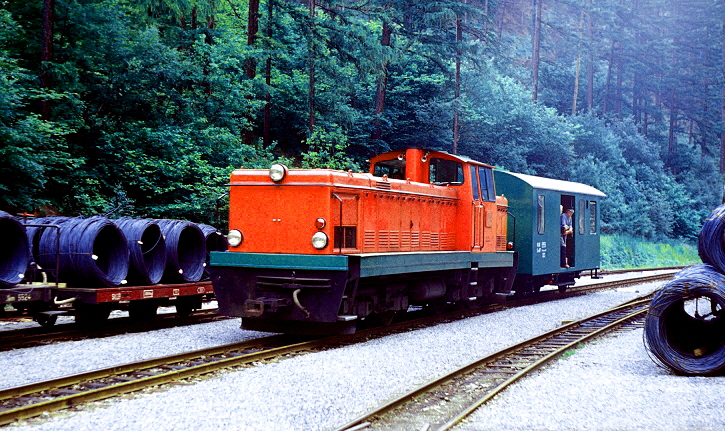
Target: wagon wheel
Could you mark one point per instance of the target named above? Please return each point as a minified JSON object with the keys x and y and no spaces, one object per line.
{"x":385,"y":318}
{"x":91,"y":314}
{"x":44,"y":320}
{"x":184,"y":308}
{"x":142,"y":310}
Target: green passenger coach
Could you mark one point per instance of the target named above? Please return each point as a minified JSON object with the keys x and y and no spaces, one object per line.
{"x":535,"y":206}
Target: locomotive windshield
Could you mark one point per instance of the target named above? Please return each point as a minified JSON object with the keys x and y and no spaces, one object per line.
{"x":394,"y":168}
{"x":443,"y":171}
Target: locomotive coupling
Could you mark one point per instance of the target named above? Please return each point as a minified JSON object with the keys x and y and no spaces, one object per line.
{"x":257,"y":307}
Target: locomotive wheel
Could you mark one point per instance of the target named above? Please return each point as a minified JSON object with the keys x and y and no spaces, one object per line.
{"x":562,"y":288}
{"x":437,"y":306}
{"x":384,"y":318}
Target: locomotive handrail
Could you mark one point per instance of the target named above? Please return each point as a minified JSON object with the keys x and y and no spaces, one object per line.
{"x":334,"y":195}
{"x":514,"y":229}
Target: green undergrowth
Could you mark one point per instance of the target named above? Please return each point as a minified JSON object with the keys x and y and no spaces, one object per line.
{"x":623,"y":252}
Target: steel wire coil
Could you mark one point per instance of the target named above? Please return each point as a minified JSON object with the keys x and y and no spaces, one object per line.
{"x":147,"y":249}
{"x":93,"y":252}
{"x":35,"y":232}
{"x":14,"y":250}
{"x":711,"y":242}
{"x":185,"y":251}
{"x":215,"y":241}
{"x":685,"y":325}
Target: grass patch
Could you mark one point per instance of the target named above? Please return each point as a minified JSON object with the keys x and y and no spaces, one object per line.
{"x":624,"y":252}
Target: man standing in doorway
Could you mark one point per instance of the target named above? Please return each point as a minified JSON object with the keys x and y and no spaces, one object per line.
{"x":566,"y":229}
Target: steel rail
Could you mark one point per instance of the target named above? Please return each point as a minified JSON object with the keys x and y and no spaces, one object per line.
{"x":640,"y":306}
{"x":16,"y":338}
{"x":96,"y":385}
{"x":90,"y":386}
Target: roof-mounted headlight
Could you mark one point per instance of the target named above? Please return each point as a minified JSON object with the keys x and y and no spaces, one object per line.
{"x":277,"y":172}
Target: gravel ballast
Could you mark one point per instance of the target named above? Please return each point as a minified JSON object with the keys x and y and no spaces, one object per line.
{"x":320,"y":391}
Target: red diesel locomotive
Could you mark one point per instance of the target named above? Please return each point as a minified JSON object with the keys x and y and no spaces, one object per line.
{"x":317,"y":250}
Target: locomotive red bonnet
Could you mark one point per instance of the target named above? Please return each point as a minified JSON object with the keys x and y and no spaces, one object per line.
{"x":316,"y":250}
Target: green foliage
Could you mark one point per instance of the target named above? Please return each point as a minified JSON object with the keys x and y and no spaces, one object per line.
{"x":624,"y":251}
{"x":328,"y":150}
{"x":153,"y":103}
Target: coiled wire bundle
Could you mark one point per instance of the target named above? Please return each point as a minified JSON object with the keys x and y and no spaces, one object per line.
{"x":215,"y":241}
{"x":93,"y":251}
{"x":147,"y":249}
{"x":685,"y":325}
{"x":710,"y":244}
{"x":35,"y":232}
{"x":185,"y":251}
{"x":14,"y":252}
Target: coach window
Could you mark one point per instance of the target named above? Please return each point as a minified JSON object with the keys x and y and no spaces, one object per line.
{"x":540,"y":215}
{"x":474,"y":184}
{"x":581,"y":217}
{"x":593,"y":217}
{"x":444,"y":172}
{"x":488,"y":193}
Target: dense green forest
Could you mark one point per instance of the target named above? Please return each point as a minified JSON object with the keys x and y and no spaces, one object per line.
{"x":143,"y":108}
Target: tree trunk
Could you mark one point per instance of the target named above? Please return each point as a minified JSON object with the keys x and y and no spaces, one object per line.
{"x":266,"y":136}
{"x":590,"y":69}
{"x":457,"y":101}
{"x":535,"y":55}
{"x":382,"y":85}
{"x":578,"y":64}
{"x":501,"y":11}
{"x":609,"y":78}
{"x":311,"y":95}
{"x":620,"y":78}
{"x":46,"y":54}
{"x":252,"y":29}
{"x":671,"y":147}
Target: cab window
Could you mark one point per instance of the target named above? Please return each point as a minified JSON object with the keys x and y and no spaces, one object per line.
{"x":474,"y":184}
{"x":488,"y":193}
{"x":443,"y":172}
{"x":394,"y":168}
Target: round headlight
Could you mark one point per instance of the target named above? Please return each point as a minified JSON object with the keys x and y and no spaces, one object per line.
{"x":277,"y":172}
{"x":235,"y":238}
{"x":319,"y":240}
{"x":320,"y":223}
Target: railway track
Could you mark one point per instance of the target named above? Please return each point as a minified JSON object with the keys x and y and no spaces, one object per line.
{"x":442,"y":403}
{"x":29,"y":337}
{"x":31,"y":400}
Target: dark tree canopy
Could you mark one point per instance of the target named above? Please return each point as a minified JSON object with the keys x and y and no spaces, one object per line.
{"x":144,"y":108}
